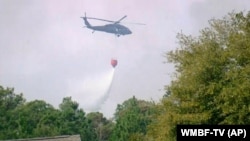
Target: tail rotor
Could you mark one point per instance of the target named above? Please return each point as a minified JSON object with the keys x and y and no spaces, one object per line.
{"x":86,"y":21}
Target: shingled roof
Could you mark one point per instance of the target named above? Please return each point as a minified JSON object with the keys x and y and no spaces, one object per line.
{"x":55,"y":138}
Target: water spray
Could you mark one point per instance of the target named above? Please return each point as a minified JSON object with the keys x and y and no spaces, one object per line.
{"x":109,"y":81}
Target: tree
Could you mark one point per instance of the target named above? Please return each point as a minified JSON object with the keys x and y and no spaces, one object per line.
{"x":74,"y":121}
{"x":102,"y":126}
{"x":49,"y":124}
{"x":9,"y":101}
{"x":29,"y":119}
{"x":132,"y":118}
{"x":212,"y":78}
{"x":20,"y":119}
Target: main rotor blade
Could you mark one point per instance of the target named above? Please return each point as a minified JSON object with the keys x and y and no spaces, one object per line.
{"x":107,"y":20}
{"x":100,"y":19}
{"x":121,"y":19}
{"x":134,"y":23}
{"x":115,"y":22}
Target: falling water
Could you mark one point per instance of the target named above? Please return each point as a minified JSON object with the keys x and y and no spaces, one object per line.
{"x":93,"y":91}
{"x":108,"y":81}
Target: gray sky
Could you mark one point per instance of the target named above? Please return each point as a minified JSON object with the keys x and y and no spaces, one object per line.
{"x":45,"y":53}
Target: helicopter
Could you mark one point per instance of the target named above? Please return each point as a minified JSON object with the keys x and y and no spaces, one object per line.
{"x":114,"y":28}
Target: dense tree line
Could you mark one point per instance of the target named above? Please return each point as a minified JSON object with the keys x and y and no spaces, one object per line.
{"x":211,"y":86}
{"x":212,"y":78}
{"x":21,"y":119}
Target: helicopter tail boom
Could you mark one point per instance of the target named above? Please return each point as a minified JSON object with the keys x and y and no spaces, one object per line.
{"x":88,"y":25}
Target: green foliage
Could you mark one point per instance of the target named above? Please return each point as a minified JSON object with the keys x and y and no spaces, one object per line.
{"x":48,"y":125}
{"x":39,"y":119}
{"x":212,"y":78}
{"x":74,"y":121}
{"x":9,"y":101}
{"x":29,"y":116}
{"x":132,"y":118}
{"x":102,"y":126}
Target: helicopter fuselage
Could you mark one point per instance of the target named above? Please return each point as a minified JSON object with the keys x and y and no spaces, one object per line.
{"x":116,"y":29}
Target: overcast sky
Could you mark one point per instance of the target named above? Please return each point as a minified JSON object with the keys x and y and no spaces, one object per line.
{"x":46,"y":54}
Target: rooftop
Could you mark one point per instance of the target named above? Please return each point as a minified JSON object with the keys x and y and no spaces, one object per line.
{"x":55,"y":138}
